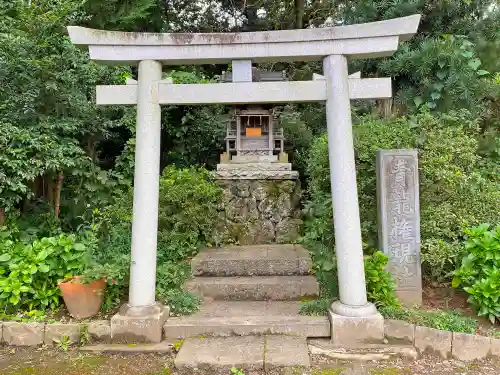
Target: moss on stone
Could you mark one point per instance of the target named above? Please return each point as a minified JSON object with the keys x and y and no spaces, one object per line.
{"x":328,"y":371}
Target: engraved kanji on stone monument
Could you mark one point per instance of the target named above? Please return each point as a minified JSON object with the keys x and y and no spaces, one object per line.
{"x":399,"y":220}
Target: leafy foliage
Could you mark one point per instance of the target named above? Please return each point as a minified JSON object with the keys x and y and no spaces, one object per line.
{"x":380,"y":287}
{"x":456,"y":191}
{"x":479,"y":274}
{"x":30,"y":272}
{"x":188,"y":212}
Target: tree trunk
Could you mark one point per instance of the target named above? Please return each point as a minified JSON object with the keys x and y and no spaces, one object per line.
{"x":2,"y":216}
{"x":57,"y":201}
{"x":384,"y":107}
{"x":49,"y":195}
{"x":299,"y":14}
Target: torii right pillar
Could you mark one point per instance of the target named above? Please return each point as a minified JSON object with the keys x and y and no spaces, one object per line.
{"x":354,"y":320}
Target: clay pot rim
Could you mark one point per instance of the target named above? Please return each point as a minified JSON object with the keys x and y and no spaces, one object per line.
{"x":74,"y":280}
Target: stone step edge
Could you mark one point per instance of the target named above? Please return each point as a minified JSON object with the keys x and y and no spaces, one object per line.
{"x":251,"y":280}
{"x":300,"y":326}
{"x":257,"y":288}
{"x":162,"y":347}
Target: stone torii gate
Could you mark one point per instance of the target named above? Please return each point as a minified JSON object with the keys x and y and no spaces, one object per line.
{"x":352,"y":315}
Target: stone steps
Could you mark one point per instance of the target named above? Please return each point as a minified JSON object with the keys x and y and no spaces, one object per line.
{"x":230,"y":318}
{"x":256,"y":288}
{"x":252,"y":354}
{"x":260,"y":260}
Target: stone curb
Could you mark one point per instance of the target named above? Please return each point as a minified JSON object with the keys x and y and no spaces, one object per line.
{"x":35,"y":334}
{"x":446,"y":344}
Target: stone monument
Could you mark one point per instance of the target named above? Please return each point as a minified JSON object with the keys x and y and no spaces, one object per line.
{"x":261,"y":192}
{"x":353,"y":318}
{"x":399,"y":220}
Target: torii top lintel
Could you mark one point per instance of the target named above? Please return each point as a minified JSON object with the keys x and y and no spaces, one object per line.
{"x":374,"y":39}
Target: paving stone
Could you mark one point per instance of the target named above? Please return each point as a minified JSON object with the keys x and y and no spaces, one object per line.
{"x":362,"y":352}
{"x":470,"y":347}
{"x":162,"y":347}
{"x":262,"y":260}
{"x":433,"y":341}
{"x":277,"y":288}
{"x":99,"y":330}
{"x":399,"y":330}
{"x":54,"y":333}
{"x":23,"y":334}
{"x":231,"y":318}
{"x":286,"y":353}
{"x":218,"y":355}
{"x":495,"y":347}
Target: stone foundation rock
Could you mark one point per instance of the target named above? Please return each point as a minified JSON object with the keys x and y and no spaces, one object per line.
{"x":259,"y":211}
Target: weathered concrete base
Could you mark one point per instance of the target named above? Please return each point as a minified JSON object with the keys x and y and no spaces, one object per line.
{"x":23,"y":334}
{"x":433,"y":341}
{"x":470,"y":347}
{"x":348,"y":331}
{"x":99,"y":331}
{"x":54,"y":333}
{"x":399,"y":330}
{"x":139,"y":325}
{"x":218,"y":355}
{"x":285,"y":353}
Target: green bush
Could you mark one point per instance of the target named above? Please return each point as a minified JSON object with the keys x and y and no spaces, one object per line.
{"x":456,"y":191}
{"x":188,"y":212}
{"x":479,"y":274}
{"x":380,"y":287}
{"x":30,"y":272}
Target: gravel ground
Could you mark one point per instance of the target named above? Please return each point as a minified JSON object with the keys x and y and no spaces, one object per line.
{"x":52,"y":362}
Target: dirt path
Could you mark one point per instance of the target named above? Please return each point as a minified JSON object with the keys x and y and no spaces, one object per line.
{"x":50,"y":362}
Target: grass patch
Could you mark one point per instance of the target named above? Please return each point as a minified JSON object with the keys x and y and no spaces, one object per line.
{"x":316,"y":307}
{"x":442,"y":320}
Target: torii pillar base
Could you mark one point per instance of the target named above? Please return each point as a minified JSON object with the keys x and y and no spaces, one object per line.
{"x":356,"y":331}
{"x":133,"y":325}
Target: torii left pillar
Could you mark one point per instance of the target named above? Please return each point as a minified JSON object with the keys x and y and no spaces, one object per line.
{"x":142,"y":318}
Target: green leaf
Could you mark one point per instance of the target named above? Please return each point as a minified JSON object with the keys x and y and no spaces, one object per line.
{"x":5,"y":257}
{"x":467,"y":54}
{"x":441,"y":74}
{"x":474,"y":64}
{"x":435,"y":95}
{"x":456,"y":282}
{"x":482,"y":72}
{"x":44,"y":268}
{"x":79,"y":247}
{"x":418,"y":101}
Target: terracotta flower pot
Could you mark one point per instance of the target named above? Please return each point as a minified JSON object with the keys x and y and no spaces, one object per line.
{"x":83,"y":300}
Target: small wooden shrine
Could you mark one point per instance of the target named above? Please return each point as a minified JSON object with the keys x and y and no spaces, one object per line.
{"x":252,"y":133}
